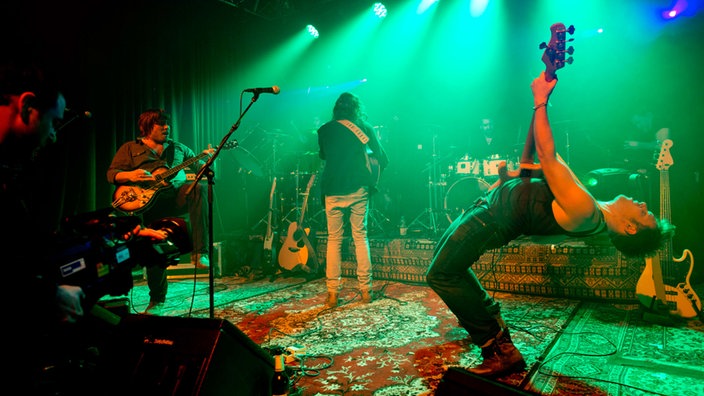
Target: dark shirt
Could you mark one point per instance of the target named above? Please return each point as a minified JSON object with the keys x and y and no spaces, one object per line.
{"x":137,"y":155}
{"x":345,"y":168}
{"x":525,"y":207}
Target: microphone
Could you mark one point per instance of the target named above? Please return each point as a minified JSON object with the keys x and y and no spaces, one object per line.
{"x":76,"y":113}
{"x":272,"y":90}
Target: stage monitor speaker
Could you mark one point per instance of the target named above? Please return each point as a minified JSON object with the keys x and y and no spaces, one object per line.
{"x":186,"y":356}
{"x":460,"y":382}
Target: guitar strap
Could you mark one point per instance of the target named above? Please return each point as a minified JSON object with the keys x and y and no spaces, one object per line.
{"x":362,"y":138}
{"x":355,"y":129}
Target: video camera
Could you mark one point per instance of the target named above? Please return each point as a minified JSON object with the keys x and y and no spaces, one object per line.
{"x":98,"y":251}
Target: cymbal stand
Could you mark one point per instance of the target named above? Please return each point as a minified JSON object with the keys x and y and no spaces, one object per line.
{"x":375,"y":219}
{"x":272,"y":173}
{"x":296,"y":210}
{"x":428,"y":219}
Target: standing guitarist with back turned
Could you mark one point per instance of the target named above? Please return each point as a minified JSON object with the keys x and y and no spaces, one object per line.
{"x":555,"y":204}
{"x":353,"y":160}
{"x":136,"y":168}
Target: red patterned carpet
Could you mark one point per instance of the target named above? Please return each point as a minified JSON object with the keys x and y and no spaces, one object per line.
{"x":404,"y":341}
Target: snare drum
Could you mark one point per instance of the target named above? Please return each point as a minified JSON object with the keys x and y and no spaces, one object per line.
{"x":462,"y":193}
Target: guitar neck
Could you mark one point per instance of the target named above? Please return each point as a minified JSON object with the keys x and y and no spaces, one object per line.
{"x":305,"y":200}
{"x":665,"y":209}
{"x":172,"y":171}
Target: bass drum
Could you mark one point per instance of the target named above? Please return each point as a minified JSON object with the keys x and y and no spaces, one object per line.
{"x":462,"y":193}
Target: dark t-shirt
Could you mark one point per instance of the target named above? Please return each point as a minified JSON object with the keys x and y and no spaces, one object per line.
{"x":525,"y":207}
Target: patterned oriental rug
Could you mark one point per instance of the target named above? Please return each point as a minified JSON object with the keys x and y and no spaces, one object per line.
{"x":404,"y":342}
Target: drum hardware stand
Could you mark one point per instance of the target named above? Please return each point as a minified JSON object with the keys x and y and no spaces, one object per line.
{"x":296,"y":210}
{"x":428,"y":219}
{"x":374,"y":215}
{"x":271,"y":175}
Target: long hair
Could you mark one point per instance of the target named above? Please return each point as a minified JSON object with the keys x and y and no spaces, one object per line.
{"x":152,"y":117}
{"x":348,"y":107}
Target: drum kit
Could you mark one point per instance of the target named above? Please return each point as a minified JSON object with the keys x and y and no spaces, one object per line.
{"x":468,"y":179}
{"x":284,"y":161}
{"x":453,"y":186}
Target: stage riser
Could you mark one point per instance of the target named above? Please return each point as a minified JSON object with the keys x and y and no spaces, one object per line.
{"x":574,"y":270}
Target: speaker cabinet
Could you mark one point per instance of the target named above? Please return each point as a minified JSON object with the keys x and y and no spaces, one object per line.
{"x":186,"y":356}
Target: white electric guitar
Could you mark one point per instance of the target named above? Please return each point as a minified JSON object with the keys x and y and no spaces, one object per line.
{"x":664,"y":284}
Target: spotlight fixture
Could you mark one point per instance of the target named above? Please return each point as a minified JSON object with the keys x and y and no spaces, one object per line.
{"x":380,"y":10}
{"x":312,"y":31}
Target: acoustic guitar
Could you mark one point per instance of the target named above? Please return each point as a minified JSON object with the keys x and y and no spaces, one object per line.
{"x":135,"y":198}
{"x":554,"y":57}
{"x":296,"y":249}
{"x":664,"y":285}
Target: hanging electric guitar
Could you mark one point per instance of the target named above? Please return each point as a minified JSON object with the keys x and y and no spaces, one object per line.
{"x":295,"y":251}
{"x":554,"y":59}
{"x":269,"y":249}
{"x":664,"y":284}
{"x":137,"y":197}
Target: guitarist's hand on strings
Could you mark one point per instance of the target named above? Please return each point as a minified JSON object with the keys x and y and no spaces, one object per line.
{"x":138,"y":175}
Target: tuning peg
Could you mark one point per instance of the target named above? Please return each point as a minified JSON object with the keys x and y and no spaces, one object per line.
{"x":570,"y":29}
{"x":543,"y":45}
{"x":570,"y":50}
{"x":569,"y":60}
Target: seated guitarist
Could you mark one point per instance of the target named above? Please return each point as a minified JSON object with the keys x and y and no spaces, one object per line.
{"x":136,"y":163}
{"x":348,"y":179}
{"x":556,"y":204}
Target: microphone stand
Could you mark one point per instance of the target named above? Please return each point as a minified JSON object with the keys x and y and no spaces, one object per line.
{"x":206,"y":170}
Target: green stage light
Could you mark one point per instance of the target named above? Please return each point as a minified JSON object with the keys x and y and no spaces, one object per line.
{"x":312,"y":31}
{"x":380,"y":10}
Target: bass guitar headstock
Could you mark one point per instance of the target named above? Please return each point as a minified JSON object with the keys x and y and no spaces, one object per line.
{"x":554,"y":56}
{"x":665,"y":157}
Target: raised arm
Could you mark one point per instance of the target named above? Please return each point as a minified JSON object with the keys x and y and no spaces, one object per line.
{"x":574,"y":208}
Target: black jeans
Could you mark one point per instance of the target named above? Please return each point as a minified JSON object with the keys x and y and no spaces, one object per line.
{"x":450,"y":276}
{"x":173,"y":202}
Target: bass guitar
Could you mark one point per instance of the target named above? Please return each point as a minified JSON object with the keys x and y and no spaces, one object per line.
{"x":554,"y":57}
{"x":296,"y":250}
{"x":664,"y":286}
{"x":136,"y":198}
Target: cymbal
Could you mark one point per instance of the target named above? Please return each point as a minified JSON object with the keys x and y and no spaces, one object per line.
{"x":247,"y":161}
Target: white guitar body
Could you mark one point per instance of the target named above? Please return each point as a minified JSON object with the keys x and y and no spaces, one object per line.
{"x":678,"y":300}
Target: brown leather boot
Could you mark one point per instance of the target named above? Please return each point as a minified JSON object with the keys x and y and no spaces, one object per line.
{"x":500,"y":357}
{"x":332,"y":300}
{"x":366,"y":296}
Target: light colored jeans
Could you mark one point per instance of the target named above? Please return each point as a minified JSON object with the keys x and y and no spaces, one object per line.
{"x":337,"y":208}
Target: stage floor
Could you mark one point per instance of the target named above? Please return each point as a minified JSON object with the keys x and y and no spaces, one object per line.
{"x":404,"y":342}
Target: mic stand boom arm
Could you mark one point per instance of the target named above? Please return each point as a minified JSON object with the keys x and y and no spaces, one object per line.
{"x":206,"y":170}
